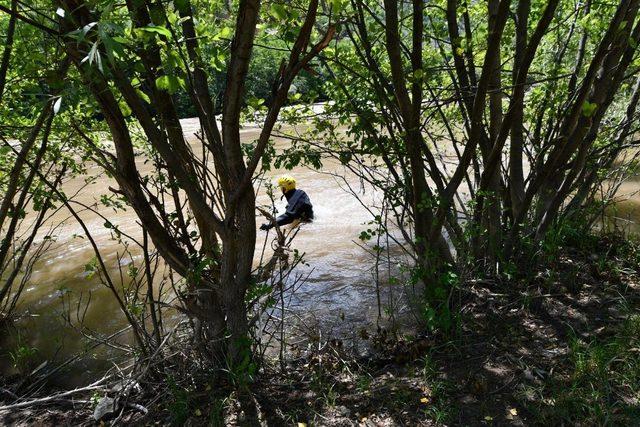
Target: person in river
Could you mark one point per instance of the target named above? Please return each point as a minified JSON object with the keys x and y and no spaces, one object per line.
{"x":299,"y":207}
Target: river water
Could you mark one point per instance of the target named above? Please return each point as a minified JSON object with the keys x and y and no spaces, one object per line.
{"x":339,"y":290}
{"x":338,"y":294}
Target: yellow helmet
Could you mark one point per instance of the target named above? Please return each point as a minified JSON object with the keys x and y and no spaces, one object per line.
{"x":286,"y":182}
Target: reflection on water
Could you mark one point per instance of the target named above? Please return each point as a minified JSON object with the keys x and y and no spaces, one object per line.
{"x":339,"y":272}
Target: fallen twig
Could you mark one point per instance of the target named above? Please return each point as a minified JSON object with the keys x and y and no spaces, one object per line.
{"x":56,"y":397}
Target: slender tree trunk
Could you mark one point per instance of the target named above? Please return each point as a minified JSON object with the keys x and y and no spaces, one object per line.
{"x":429,"y":251}
{"x":8,"y":47}
{"x":582,"y":47}
{"x":516,"y":146}
{"x":236,"y":277}
{"x":27,"y":146}
{"x":20,"y":204}
{"x":488,"y":242}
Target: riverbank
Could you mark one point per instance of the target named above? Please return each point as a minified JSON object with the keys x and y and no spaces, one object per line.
{"x":337,"y":273}
{"x":560,"y":344}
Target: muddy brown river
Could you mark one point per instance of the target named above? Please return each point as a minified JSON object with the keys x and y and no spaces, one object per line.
{"x":339,"y":292}
{"x":339,"y":288}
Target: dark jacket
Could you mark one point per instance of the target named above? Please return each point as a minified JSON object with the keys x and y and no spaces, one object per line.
{"x":298,"y":207}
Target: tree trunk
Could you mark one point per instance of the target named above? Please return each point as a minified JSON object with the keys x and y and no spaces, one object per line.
{"x":516,"y":146}
{"x":8,"y":46}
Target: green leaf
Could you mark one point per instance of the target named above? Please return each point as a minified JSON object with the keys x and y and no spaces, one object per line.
{"x":337,"y":5}
{"x":589,"y":108}
{"x":255,"y":102}
{"x":158,"y":30}
{"x":143,"y":95}
{"x":218,"y":59}
{"x":91,"y":267}
{"x":172,"y":17}
{"x":112,"y":47}
{"x":278,"y":11}
{"x":126,"y":111}
{"x":225,"y":33}
{"x":180,"y":4}
{"x":121,"y":40}
{"x":345,"y":157}
{"x":169,"y":83}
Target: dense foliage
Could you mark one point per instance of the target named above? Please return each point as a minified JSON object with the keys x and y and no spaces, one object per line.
{"x":481,"y":133}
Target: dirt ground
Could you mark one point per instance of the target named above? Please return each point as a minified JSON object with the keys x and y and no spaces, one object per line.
{"x":534,"y":350}
{"x":557,"y":346}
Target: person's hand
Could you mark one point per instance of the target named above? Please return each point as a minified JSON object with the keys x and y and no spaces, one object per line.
{"x":265,"y":226}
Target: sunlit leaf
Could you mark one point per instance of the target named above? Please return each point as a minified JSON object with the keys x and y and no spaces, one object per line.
{"x":57,"y":105}
{"x":88,"y":28}
{"x":143,"y":95}
{"x":278,"y":11}
{"x":169,"y":83}
{"x":225,"y":33}
{"x":157,"y":30}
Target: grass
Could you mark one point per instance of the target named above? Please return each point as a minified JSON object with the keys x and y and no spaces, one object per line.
{"x":602,"y":385}
{"x":179,"y":406}
{"x":22,"y":356}
{"x":437,"y":405}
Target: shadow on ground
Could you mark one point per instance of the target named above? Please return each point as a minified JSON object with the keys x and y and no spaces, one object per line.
{"x":559,"y":346}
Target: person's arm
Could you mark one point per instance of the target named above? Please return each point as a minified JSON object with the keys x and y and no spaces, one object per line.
{"x":285,"y":218}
